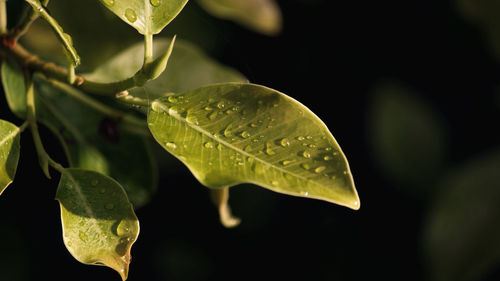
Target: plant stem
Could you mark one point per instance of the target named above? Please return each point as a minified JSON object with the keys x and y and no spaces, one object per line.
{"x":220,"y":198}
{"x":56,"y":166}
{"x":43,"y":157}
{"x":3,"y":17}
{"x":23,"y":126}
{"x":29,"y":16}
{"x":148,"y":48}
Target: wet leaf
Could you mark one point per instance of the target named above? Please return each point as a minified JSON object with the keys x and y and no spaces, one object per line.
{"x":188,"y":68}
{"x":9,"y":153}
{"x":462,"y":234}
{"x":147,"y":16}
{"x":99,"y":224}
{"x":260,"y":15}
{"x":234,"y":133}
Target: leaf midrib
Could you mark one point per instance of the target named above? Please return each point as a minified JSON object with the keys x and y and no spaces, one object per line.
{"x":209,"y":135}
{"x":9,"y":136}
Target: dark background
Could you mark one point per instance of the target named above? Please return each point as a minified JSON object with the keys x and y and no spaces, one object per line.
{"x":339,"y":58}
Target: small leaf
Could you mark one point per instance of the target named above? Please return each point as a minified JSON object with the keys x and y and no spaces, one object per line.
{"x":147,"y":16}
{"x":260,"y":15}
{"x":14,"y":88}
{"x":234,"y":133}
{"x":9,"y":153}
{"x":65,"y":38}
{"x":188,"y":68}
{"x":461,"y":238}
{"x":99,"y":224}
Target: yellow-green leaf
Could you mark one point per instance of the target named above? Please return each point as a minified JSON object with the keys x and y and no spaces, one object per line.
{"x":234,"y":133}
{"x":147,"y":16}
{"x":9,"y":153}
{"x":99,"y":224}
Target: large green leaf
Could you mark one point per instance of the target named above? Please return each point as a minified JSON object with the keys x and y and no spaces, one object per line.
{"x":260,"y":15}
{"x":188,"y":68}
{"x":100,"y":144}
{"x":147,"y":16}
{"x":99,"y":223}
{"x":9,"y":153}
{"x":233,"y":133}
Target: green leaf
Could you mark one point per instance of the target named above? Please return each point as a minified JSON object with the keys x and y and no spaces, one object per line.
{"x":14,"y":88}
{"x":462,"y":235}
{"x":9,"y":153}
{"x":188,"y":68}
{"x":147,"y":16}
{"x":100,"y":144}
{"x":65,"y":38}
{"x":234,"y":133}
{"x":260,"y":15}
{"x":408,"y":137}
{"x":99,"y":223}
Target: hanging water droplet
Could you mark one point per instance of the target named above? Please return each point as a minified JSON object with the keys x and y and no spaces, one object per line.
{"x":213,"y":115}
{"x":300,"y":138}
{"x":209,"y":145}
{"x":172,"y":99}
{"x":319,"y":169}
{"x":130,"y":15}
{"x":109,"y":206}
{"x":287,"y":162}
{"x":227,"y":131}
{"x":305,"y":166}
{"x":191,"y":119}
{"x":269,"y":150}
{"x":171,"y":145}
{"x":155,"y":3}
{"x":306,"y":154}
{"x":123,"y":228}
{"x":285,"y":142}
{"x":245,"y":134}
{"x":309,"y":137}
{"x":109,"y":3}
{"x":221,"y":104}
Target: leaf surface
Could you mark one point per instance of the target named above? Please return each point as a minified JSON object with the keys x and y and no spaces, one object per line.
{"x":234,"y":133}
{"x":13,"y":85}
{"x":9,"y":153}
{"x":147,"y":16}
{"x":188,"y":68}
{"x":260,"y":15}
{"x":99,"y":224}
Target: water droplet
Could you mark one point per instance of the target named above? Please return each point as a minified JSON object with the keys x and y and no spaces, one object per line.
{"x":285,"y":142}
{"x":219,"y":147}
{"x":247,"y":148}
{"x":319,"y":169}
{"x":275,"y":183}
{"x":335,"y":153}
{"x":306,"y":154}
{"x":109,"y":3}
{"x":213,"y":115}
{"x":305,"y":166}
{"x":172,"y":99}
{"x":275,"y":105}
{"x":208,"y":108}
{"x":245,"y":134}
{"x":304,"y":193}
{"x":171,"y":145}
{"x":109,"y":206}
{"x":312,"y":145}
{"x":155,"y":3}
{"x":287,"y":162}
{"x":253,"y":125}
{"x":327,"y":158}
{"x":123,"y":228}
{"x":309,"y":137}
{"x":300,"y":138}
{"x":345,"y":172}
{"x":328,"y":149}
{"x":191,"y":119}
{"x":227,"y":131}
{"x":221,"y":104}
{"x":229,"y":111}
{"x":209,"y":145}
{"x":269,"y":150}
{"x":130,"y":15}
{"x":102,"y":190}
{"x":333,"y":177}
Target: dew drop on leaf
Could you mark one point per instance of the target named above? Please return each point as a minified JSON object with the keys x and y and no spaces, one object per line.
{"x":319,"y":169}
{"x":123,"y":228}
{"x":130,"y":15}
{"x":155,"y":3}
{"x":300,"y":138}
{"x":171,"y":145}
{"x":306,"y":154}
{"x":209,"y":145}
{"x":109,"y":3}
{"x":245,"y":134}
{"x":285,"y":142}
{"x":172,"y":99}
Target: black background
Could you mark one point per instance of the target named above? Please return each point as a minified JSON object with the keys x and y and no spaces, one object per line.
{"x":329,"y":56}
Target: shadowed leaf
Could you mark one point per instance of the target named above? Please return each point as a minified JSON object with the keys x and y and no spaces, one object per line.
{"x":9,"y":153}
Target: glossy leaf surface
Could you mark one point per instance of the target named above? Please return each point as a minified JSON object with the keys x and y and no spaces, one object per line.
{"x":233,"y":133}
{"x":260,"y":15}
{"x":462,"y":234}
{"x":15,"y":91}
{"x":99,"y":224}
{"x":188,"y":68}
{"x":9,"y":153}
{"x":147,"y":16}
